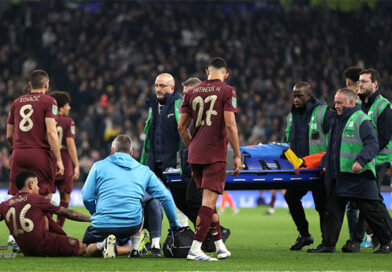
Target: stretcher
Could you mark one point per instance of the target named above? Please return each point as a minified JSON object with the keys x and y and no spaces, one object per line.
{"x":265,"y":167}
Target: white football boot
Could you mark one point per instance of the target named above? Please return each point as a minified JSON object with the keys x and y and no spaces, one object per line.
{"x":109,"y":250}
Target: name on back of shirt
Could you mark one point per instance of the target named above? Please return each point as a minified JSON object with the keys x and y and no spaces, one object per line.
{"x":17,"y":200}
{"x":206,"y":89}
{"x":34,"y":98}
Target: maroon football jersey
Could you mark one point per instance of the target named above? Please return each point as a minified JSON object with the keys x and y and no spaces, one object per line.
{"x":206,"y":103}
{"x":65,"y":129}
{"x":26,"y":217}
{"x":28,"y":114}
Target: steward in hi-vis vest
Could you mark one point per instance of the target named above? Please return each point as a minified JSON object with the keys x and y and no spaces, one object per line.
{"x":352,"y":147}
{"x":306,"y":133}
{"x":350,"y":176}
{"x":379,"y":110}
{"x":316,"y":135}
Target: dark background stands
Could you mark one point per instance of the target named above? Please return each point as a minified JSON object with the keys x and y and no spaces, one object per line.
{"x":107,"y":55}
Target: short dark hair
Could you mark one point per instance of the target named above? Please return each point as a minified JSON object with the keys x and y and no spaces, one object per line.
{"x":38,"y":78}
{"x":374,"y":75}
{"x":122,"y":143}
{"x":305,"y":86}
{"x":22,"y":177}
{"x":61,"y":97}
{"x":218,"y":63}
{"x":349,"y":94}
{"x":352,"y":73}
{"x":192,"y":81}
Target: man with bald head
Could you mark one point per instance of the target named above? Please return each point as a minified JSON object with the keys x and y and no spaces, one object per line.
{"x":161,"y":149}
{"x":308,"y":124}
{"x":350,"y":175}
{"x":164,"y":83}
{"x":162,"y":139}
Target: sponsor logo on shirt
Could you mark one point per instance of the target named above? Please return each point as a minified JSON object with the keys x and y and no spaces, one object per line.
{"x":73,"y":129}
{"x":234,"y":102}
{"x":72,"y":241}
{"x":170,"y":115}
{"x":54,"y":109}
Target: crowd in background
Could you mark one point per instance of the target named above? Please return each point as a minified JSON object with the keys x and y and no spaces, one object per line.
{"x":107,"y":55}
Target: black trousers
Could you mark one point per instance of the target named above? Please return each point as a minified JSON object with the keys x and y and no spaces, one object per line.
{"x":293,"y":198}
{"x":371,"y":210}
{"x":381,"y":172}
{"x":187,"y":197}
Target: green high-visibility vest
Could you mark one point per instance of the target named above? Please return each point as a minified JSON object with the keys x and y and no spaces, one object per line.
{"x":352,"y":144}
{"x":147,"y":143}
{"x":378,"y":106}
{"x":317,"y":137}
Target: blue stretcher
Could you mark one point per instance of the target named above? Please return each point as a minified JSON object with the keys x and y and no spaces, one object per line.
{"x":265,"y":167}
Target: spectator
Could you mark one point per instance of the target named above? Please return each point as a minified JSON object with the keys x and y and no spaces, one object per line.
{"x":84,"y":59}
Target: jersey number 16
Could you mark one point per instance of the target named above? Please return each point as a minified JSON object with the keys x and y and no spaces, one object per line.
{"x":26,"y":224}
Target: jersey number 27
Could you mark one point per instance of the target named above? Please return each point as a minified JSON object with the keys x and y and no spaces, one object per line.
{"x":198,"y":101}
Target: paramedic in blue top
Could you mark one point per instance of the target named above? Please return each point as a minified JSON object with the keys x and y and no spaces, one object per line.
{"x":113,"y":193}
{"x":306,"y":133}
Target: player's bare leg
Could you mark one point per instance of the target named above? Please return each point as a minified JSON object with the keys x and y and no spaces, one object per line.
{"x":64,"y":202}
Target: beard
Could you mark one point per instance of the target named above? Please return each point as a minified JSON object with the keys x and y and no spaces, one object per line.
{"x":364,"y":94}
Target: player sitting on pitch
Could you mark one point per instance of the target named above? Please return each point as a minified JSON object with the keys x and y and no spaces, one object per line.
{"x":28,"y":217}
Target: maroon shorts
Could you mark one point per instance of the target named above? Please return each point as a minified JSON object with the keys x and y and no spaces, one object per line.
{"x":210,"y":176}
{"x":65,"y":185}
{"x":65,"y":182}
{"x":55,"y":245}
{"x":40,"y":161}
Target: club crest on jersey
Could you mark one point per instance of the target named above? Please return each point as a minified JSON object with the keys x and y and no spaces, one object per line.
{"x":234,"y":102}
{"x":73,"y":129}
{"x":54,"y":109}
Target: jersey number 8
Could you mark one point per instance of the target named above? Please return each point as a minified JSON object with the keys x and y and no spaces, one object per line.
{"x":26,"y":124}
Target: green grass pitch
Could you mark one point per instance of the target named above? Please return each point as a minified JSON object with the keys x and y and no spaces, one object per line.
{"x":257,"y":242}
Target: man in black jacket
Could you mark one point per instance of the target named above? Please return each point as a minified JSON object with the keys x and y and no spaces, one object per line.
{"x":379,"y":110}
{"x":350,"y":174}
{"x":161,"y":147}
{"x":306,"y":132}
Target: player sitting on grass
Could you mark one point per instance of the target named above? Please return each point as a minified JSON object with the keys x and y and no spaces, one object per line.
{"x":28,"y":217}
